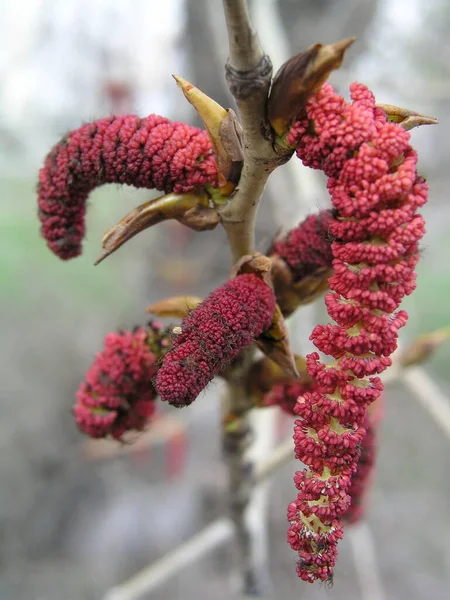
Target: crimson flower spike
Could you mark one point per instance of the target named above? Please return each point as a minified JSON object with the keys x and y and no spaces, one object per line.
{"x":302,"y":262}
{"x":213,"y":334}
{"x":376,"y":192}
{"x":117,"y":395}
{"x":151,"y":152}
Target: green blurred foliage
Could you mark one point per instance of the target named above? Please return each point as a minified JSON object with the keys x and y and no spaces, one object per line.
{"x":27,"y":264}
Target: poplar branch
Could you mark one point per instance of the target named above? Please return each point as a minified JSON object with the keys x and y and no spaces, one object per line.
{"x":245,"y":49}
{"x":248,"y":74}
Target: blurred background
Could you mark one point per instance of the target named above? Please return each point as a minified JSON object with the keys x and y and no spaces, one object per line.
{"x":77,"y":519}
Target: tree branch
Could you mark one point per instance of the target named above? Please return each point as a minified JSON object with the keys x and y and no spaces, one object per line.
{"x":245,"y":49}
{"x":248,"y":74}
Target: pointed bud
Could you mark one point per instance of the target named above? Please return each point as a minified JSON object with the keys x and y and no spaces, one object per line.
{"x":424,"y":347}
{"x":200,"y":218}
{"x":274,"y":342}
{"x":171,"y":206}
{"x":300,"y":77}
{"x":175,"y":307}
{"x":408,"y":119}
{"x":223,"y":129}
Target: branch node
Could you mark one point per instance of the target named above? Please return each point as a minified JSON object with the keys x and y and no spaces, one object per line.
{"x":244,"y":84}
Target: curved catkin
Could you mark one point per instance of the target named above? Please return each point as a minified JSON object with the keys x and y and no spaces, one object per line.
{"x":227,"y":321}
{"x":375,"y":192}
{"x":152,"y":152}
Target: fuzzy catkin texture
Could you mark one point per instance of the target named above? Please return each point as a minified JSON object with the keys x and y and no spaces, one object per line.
{"x":147,"y":153}
{"x":117,"y":395}
{"x":227,"y":321}
{"x":375,"y":192}
{"x":308,"y":246}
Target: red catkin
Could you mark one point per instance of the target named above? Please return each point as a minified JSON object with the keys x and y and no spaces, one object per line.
{"x":213,"y":334}
{"x":375,"y":192}
{"x":152,"y":152}
{"x":307,"y":246}
{"x":117,"y":394}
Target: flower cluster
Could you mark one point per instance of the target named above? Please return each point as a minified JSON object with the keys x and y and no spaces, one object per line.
{"x":375,"y":192}
{"x":117,"y":394}
{"x":213,"y":334}
{"x":307,"y":246}
{"x":151,"y":153}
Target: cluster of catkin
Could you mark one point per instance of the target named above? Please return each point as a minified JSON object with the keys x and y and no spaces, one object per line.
{"x":369,"y":241}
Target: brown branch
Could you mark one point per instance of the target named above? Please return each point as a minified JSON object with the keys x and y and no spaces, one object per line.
{"x":245,"y":49}
{"x":248,"y":74}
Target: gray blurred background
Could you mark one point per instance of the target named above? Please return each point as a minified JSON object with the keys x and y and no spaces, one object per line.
{"x":76,"y":520}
